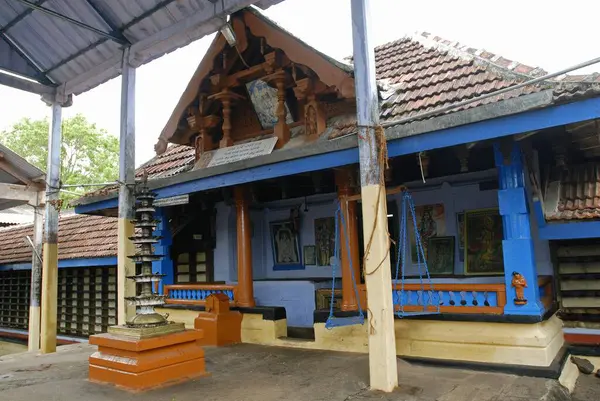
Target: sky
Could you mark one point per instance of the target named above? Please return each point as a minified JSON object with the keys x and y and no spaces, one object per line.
{"x":547,"y":34}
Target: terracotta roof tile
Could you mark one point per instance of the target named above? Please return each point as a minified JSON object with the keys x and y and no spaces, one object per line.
{"x":79,"y":236}
{"x":579,"y":197}
{"x":425,"y":72}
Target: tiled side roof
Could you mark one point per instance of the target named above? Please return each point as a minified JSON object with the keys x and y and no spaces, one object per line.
{"x":428,"y":72}
{"x":177,"y":159}
{"x":579,"y":196}
{"x":79,"y":236}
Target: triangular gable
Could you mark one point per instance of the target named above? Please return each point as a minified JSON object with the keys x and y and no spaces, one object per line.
{"x":331,"y":72}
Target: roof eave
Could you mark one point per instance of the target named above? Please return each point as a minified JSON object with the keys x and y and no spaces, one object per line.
{"x":476,"y":114}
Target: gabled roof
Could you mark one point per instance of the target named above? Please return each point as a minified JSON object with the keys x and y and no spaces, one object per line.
{"x":79,"y":236}
{"x":332,"y":72}
{"x":417,"y":74}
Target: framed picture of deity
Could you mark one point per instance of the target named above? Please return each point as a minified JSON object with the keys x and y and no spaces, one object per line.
{"x":309,"y":255}
{"x":431,"y":222}
{"x":440,"y":255}
{"x":483,"y":242}
{"x":285,"y":245}
{"x":325,"y":240}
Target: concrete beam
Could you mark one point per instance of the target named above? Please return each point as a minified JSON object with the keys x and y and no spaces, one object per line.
{"x":22,"y":193}
{"x":25,"y":85}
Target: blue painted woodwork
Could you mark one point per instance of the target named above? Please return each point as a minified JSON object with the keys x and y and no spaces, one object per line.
{"x":498,"y":127}
{"x":197,"y":295}
{"x":444,"y":298}
{"x":517,"y":245}
{"x":68,"y":263}
{"x":97,"y":206}
{"x":164,"y":266}
{"x":298,"y":266}
{"x":579,"y":230}
{"x":487,"y":129}
{"x":538,"y":210}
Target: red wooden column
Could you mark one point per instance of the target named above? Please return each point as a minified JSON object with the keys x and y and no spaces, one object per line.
{"x":343,"y":179}
{"x":245,"y":291}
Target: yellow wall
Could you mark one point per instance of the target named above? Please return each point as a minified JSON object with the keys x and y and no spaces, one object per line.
{"x":533,"y":344}
{"x":509,"y":343}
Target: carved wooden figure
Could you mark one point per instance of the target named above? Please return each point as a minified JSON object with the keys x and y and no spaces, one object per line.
{"x":519,"y":284}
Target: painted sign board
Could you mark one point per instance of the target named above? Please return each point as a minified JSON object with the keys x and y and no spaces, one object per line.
{"x":172,"y":201}
{"x":242,"y":151}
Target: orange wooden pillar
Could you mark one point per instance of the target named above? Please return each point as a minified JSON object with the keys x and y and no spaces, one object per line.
{"x":245,"y":290}
{"x":343,"y":179}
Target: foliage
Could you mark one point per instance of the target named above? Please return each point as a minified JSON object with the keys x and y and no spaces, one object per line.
{"x":88,"y":154}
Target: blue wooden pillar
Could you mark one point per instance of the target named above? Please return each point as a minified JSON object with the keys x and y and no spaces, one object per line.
{"x":164,"y":266}
{"x":517,"y":245}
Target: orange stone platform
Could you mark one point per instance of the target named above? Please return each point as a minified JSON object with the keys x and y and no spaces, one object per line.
{"x":220,"y":325}
{"x":139,"y":365}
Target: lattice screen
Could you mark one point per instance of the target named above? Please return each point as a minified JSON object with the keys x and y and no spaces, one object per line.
{"x":86,"y":299}
{"x":14,"y":298}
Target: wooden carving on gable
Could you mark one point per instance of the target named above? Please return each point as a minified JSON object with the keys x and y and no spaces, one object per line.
{"x":270,"y":85}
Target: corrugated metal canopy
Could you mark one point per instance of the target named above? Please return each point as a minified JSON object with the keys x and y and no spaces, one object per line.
{"x":16,"y":170}
{"x":75,"y":45}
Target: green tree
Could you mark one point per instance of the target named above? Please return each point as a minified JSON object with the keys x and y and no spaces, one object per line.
{"x":88,"y":154}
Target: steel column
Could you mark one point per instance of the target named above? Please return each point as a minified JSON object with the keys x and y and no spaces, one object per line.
{"x":382,"y":340}
{"x":125,"y":267}
{"x":36,"y":281}
{"x":50,"y":245}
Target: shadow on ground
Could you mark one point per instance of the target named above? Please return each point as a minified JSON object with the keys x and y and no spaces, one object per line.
{"x":256,"y":373}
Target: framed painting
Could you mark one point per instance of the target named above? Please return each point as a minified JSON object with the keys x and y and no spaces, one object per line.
{"x":460,"y":228}
{"x":440,"y":255}
{"x":264,"y":101}
{"x":431,"y":222}
{"x":285,"y":245}
{"x":325,"y":240}
{"x":309,"y":255}
{"x":483,"y":242}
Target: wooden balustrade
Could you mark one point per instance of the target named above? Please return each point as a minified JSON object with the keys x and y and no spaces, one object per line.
{"x":196,"y":294}
{"x":460,"y":298}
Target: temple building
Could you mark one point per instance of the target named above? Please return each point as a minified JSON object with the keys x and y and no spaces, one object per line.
{"x":260,"y":152}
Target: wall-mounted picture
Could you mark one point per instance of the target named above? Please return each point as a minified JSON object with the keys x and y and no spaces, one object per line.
{"x":309,"y":255}
{"x":286,"y":247}
{"x":431,"y":222}
{"x":483,"y":242}
{"x":325,"y":240}
{"x":460,"y":228}
{"x":440,"y":255}
{"x":264,"y":100}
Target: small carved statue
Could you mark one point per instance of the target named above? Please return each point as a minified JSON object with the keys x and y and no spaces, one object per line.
{"x":519,"y":283}
{"x":311,"y":121}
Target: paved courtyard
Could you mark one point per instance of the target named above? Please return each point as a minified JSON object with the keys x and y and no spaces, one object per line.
{"x":257,"y":373}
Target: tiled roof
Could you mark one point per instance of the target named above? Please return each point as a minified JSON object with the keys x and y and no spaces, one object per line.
{"x":79,"y":236}
{"x":579,"y":196}
{"x":418,"y":74}
{"x":177,"y":159}
{"x":428,"y":72}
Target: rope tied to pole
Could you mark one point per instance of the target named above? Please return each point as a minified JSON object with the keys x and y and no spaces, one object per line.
{"x":383,"y":163}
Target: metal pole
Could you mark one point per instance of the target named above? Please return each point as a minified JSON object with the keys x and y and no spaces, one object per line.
{"x":50,"y":245}
{"x":382,"y":340}
{"x":126,"y":267}
{"x":36,"y":281}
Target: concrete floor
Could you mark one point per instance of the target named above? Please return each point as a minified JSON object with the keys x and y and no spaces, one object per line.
{"x":253,"y":373}
{"x":9,"y":347}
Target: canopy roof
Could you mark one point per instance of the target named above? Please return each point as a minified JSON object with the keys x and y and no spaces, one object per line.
{"x":74,"y":46}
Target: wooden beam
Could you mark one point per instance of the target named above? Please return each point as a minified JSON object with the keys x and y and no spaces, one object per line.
{"x":388,"y":192}
{"x":26,"y":85}
{"x":4,"y":165}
